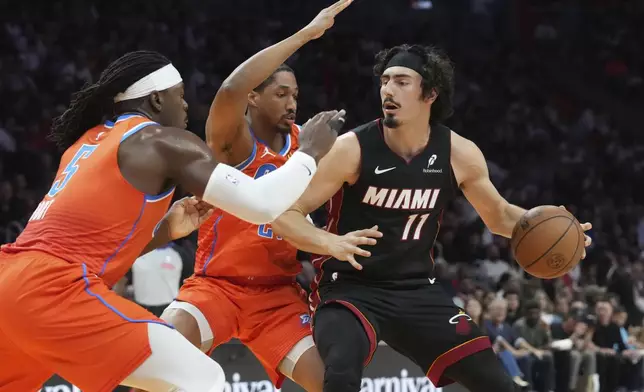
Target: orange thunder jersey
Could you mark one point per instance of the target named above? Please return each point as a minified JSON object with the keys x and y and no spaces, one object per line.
{"x":92,"y":215}
{"x":231,"y":247}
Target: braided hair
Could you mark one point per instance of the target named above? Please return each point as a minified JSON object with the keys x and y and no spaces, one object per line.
{"x":93,"y":102}
{"x":438,"y":75}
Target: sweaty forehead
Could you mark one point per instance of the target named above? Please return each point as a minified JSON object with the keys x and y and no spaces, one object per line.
{"x":399,"y":71}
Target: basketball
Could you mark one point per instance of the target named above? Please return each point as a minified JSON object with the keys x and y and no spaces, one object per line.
{"x":547,"y":242}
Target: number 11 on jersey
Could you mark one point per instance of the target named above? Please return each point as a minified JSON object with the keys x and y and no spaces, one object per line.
{"x":419,"y":226}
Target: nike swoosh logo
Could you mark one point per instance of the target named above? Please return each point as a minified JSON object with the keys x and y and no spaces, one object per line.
{"x":378,"y":171}
{"x":307,"y":169}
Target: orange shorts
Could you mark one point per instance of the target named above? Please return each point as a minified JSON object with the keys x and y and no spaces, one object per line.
{"x":55,"y":319}
{"x":269,"y":320}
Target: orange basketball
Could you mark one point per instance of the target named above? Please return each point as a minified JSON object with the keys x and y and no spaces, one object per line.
{"x":547,"y":242}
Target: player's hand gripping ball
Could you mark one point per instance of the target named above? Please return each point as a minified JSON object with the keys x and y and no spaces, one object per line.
{"x":548,"y":241}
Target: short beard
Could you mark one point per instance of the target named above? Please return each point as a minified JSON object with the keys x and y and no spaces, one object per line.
{"x":283,"y":129}
{"x":391,"y":122}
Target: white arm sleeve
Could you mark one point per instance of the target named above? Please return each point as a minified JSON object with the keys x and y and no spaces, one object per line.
{"x":260,"y":200}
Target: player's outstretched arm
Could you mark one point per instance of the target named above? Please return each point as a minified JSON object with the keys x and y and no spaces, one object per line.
{"x":226,"y":127}
{"x":471,"y":172}
{"x":184,"y":159}
{"x":342,"y":164}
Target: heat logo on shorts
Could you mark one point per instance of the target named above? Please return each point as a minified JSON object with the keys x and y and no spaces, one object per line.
{"x":461,"y":321}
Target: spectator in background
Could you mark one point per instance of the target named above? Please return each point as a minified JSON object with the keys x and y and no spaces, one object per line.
{"x":562,"y":309}
{"x":474,"y":309}
{"x":545,"y":307}
{"x":538,"y":367}
{"x":628,"y":284}
{"x":631,"y":369}
{"x":513,"y":300}
{"x":503,"y":337}
{"x":608,"y":342}
{"x":493,"y":267}
{"x":155,"y":277}
{"x":570,"y":341}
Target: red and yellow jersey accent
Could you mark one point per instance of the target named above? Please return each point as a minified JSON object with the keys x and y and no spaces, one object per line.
{"x":92,"y":215}
{"x":231,"y":247}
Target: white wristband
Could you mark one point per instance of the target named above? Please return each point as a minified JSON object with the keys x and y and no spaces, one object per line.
{"x":260,"y":200}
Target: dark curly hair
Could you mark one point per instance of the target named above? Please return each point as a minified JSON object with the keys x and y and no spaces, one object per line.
{"x":438,"y":75}
{"x":95,"y":101}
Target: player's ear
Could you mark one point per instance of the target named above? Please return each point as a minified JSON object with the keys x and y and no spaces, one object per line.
{"x":253,"y":97}
{"x":432,"y":96}
{"x":156,"y":101}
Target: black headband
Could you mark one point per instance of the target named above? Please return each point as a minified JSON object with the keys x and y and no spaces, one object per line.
{"x":407,"y":60}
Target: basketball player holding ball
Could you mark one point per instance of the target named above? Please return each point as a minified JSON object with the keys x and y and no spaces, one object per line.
{"x":398,"y":173}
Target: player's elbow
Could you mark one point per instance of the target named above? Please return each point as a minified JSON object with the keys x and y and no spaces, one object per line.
{"x":210,"y":141}
{"x":270,"y":211}
{"x":228,"y":97}
{"x":230,"y":90}
{"x":262,"y":214}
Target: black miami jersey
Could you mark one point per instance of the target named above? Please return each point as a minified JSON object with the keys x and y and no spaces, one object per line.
{"x":395,"y":297}
{"x":404,"y":198}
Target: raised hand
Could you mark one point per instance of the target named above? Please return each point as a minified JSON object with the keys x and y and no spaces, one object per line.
{"x":319,"y":133}
{"x":325,"y":19}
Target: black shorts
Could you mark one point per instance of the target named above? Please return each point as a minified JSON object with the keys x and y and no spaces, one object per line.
{"x":420,"y":322}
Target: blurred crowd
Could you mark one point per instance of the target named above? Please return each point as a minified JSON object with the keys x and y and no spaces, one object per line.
{"x":549,"y":90}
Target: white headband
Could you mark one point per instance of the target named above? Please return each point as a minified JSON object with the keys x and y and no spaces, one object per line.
{"x":159,"y":80}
